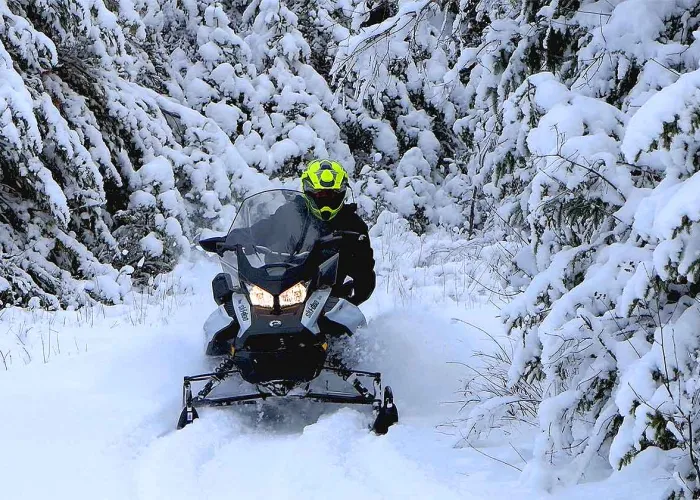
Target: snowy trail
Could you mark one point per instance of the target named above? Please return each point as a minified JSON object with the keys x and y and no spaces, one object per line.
{"x":99,"y":424}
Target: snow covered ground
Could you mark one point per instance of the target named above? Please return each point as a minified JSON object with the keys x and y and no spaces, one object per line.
{"x":92,"y":397}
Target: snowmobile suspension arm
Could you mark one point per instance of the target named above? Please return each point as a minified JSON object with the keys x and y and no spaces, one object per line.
{"x":342,"y":372}
{"x":347,"y":373}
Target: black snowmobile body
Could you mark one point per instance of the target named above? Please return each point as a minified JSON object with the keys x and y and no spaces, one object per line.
{"x":276,"y":314}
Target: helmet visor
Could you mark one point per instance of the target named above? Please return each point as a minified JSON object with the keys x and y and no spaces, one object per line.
{"x":330,"y":198}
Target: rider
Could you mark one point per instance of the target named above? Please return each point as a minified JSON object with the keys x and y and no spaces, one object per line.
{"x":325,"y":183}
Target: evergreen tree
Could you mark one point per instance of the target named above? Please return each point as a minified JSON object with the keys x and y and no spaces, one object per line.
{"x":103,"y":178}
{"x":571,"y":141}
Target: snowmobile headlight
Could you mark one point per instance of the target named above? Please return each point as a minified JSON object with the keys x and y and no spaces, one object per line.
{"x":294,"y":295}
{"x":260,"y":297}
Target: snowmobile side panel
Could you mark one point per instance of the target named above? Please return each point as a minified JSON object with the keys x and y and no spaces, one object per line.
{"x":217,"y":321}
{"x":222,"y":288}
{"x":347,"y":314}
{"x":312,"y":309}
{"x":242,"y":308}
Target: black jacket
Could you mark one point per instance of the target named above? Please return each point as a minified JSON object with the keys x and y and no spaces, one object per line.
{"x":356,"y":256}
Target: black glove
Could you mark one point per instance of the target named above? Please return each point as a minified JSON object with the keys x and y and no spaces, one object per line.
{"x":346,"y":290}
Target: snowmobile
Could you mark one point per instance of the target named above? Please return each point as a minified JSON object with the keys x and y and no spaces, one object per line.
{"x":277,"y":315}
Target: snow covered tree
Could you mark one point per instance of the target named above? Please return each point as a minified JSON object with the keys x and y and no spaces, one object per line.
{"x":573,"y":159}
{"x":392,"y":76}
{"x":86,"y":140}
{"x":658,"y":396}
{"x":53,"y":195}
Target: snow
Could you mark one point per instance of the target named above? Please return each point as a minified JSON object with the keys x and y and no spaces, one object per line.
{"x":139,"y":199}
{"x":673,"y":104}
{"x":158,"y":173}
{"x":93,"y":411}
{"x":152,"y":245}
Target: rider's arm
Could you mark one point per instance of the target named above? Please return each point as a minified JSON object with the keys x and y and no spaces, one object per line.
{"x":362,"y":268}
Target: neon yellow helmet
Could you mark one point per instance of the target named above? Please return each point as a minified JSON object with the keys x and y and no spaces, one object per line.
{"x":325,"y":183}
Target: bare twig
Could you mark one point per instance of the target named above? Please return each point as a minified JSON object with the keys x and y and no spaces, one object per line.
{"x":494,"y":458}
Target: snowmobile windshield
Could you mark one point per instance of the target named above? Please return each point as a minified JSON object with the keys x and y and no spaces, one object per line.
{"x":274,"y":228}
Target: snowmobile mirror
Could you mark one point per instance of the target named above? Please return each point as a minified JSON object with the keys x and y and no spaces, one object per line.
{"x":328,"y":272}
{"x":212,"y":244}
{"x":222,"y":288}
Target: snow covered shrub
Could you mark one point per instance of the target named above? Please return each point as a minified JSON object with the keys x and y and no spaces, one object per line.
{"x":444,"y":266}
{"x":494,"y":402}
{"x":284,"y":107}
{"x":150,"y":229}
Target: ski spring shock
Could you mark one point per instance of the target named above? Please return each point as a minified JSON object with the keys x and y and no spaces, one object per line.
{"x":220,"y":375}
